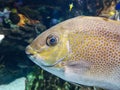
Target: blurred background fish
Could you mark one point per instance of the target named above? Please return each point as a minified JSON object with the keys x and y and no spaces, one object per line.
{"x":2,"y":36}
{"x":71,"y":7}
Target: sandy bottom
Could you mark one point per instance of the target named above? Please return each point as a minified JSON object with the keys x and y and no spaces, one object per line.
{"x":18,"y":84}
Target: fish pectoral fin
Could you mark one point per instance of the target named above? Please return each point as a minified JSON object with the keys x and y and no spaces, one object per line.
{"x":80,"y":65}
{"x":76,"y":71}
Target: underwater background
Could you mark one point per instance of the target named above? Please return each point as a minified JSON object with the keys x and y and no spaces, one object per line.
{"x":23,"y":20}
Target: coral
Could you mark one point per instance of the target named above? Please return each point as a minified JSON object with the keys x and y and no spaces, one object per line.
{"x":14,"y":17}
{"x":42,"y":80}
{"x":29,"y":13}
{"x":13,"y":45}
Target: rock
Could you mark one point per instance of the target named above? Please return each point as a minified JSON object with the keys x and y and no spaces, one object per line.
{"x":14,"y":17}
{"x":18,"y":84}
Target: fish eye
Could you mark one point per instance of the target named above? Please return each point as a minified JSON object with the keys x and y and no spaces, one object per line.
{"x":52,"y":40}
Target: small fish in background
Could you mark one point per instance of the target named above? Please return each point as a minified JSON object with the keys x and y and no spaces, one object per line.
{"x":115,"y":15}
{"x":111,"y":13}
{"x":1,"y":37}
{"x":71,"y":7}
{"x":82,"y":50}
{"x":117,"y":7}
{"x":5,"y":13}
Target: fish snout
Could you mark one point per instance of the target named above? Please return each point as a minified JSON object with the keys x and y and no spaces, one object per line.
{"x":29,"y":50}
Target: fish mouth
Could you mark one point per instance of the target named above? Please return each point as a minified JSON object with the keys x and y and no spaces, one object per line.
{"x":38,"y":60}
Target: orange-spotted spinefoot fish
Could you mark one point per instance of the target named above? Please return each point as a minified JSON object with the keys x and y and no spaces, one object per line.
{"x":83,"y":50}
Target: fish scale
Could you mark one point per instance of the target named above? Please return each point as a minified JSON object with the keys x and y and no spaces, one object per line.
{"x":87,"y":51}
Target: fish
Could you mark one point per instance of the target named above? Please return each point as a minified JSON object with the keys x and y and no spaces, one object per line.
{"x":5,"y":13}
{"x":84,"y":50}
{"x":70,"y":7}
{"x":115,"y":14}
{"x":117,"y":7}
{"x":111,"y":13}
{"x":2,"y":36}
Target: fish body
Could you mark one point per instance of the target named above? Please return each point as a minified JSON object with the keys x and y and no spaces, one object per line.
{"x":117,"y":7}
{"x":83,"y":50}
{"x":1,"y":37}
{"x":112,"y":13}
{"x":70,"y":7}
{"x":115,"y":14}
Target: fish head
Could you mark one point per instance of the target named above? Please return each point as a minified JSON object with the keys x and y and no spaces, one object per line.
{"x":50,"y":47}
